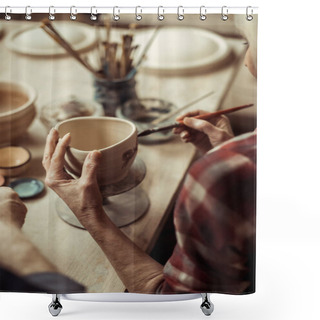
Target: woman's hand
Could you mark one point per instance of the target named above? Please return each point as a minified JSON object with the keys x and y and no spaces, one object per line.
{"x":81,"y":195}
{"x":12,"y":209}
{"x":204,"y":134}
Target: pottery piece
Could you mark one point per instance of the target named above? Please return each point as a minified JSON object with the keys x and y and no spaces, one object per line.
{"x":14,"y":160}
{"x":27,"y":187}
{"x":115,"y":138}
{"x":67,"y":108}
{"x":145,"y":110}
{"x":17,"y":110}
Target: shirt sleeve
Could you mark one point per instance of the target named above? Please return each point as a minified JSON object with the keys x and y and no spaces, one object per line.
{"x":215,"y":227}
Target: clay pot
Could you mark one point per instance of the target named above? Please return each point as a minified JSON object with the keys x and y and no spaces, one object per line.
{"x":115,"y":138}
{"x":17,"y":110}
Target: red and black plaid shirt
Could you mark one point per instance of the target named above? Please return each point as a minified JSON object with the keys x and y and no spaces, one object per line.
{"x":215,"y":223}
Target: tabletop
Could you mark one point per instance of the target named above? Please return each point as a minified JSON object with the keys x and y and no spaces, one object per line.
{"x":71,"y":249}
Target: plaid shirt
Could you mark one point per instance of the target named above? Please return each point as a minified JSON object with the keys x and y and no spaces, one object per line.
{"x":215,"y":223}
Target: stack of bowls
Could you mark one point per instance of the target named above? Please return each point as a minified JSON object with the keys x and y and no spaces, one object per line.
{"x":17,"y":110}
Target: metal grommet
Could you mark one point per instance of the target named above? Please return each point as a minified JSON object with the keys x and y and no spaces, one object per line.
{"x":180,"y":13}
{"x":6,"y":15}
{"x":52,"y":11}
{"x":28,"y":13}
{"x":160,"y":16}
{"x":224,"y":13}
{"x":203,"y":13}
{"x":138,"y":16}
{"x":93,"y":16}
{"x":116,"y":17}
{"x":249,"y":17}
{"x":73,"y":13}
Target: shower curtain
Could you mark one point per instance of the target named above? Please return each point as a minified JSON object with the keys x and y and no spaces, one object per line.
{"x":181,"y":218}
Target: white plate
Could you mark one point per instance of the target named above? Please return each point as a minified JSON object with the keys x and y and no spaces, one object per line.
{"x":183,"y":50}
{"x":34,"y":41}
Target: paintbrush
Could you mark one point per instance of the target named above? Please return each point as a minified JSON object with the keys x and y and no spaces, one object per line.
{"x":143,"y":55}
{"x":205,"y":116}
{"x":55,"y":35}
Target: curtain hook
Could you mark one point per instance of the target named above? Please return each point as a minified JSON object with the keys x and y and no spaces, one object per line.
{"x":249,"y":17}
{"x":28,"y":13}
{"x":180,"y":13}
{"x":93,"y":16}
{"x":52,"y":11}
{"x":203,"y":13}
{"x":138,"y":16}
{"x":224,"y":13}
{"x":73,"y":13}
{"x":116,"y":17}
{"x":160,"y":16}
{"x":6,"y":15}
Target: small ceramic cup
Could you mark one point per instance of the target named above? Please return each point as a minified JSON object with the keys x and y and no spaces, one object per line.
{"x":115,"y":138}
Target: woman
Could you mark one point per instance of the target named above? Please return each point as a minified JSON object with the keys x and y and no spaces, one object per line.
{"x":214,"y":216}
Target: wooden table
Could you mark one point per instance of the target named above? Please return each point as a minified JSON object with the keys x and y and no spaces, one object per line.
{"x":71,"y":249}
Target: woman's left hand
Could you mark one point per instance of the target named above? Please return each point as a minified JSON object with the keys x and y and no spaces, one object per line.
{"x":81,"y":195}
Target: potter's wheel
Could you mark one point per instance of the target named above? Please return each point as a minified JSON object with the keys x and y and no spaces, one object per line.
{"x":124,"y":202}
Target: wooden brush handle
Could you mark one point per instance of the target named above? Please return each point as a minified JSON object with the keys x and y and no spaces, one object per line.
{"x":210,"y":115}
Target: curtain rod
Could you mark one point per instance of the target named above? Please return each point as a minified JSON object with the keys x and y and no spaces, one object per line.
{"x":129,"y":10}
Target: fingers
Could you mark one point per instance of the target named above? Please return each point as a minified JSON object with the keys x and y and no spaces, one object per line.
{"x":220,"y":121}
{"x":200,"y":125}
{"x":179,"y":129}
{"x":51,"y":142}
{"x":190,"y":114}
{"x":89,"y":169}
{"x":186,"y":136}
{"x":57,"y":159}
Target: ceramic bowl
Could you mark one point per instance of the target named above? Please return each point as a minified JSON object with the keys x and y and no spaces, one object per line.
{"x":14,"y":160}
{"x":17,"y":110}
{"x":115,"y":138}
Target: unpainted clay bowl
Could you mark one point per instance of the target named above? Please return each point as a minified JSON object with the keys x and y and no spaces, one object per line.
{"x":14,"y":160}
{"x":17,"y":109}
{"x":115,"y":138}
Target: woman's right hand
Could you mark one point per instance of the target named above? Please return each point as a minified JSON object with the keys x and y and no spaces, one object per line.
{"x":204,"y":134}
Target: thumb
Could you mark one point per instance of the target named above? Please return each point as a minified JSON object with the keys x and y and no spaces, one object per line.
{"x":200,"y":125}
{"x":91,"y":163}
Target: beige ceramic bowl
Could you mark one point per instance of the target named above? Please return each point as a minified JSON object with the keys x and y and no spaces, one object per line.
{"x":115,"y":138}
{"x":17,"y":110}
{"x":14,"y":160}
